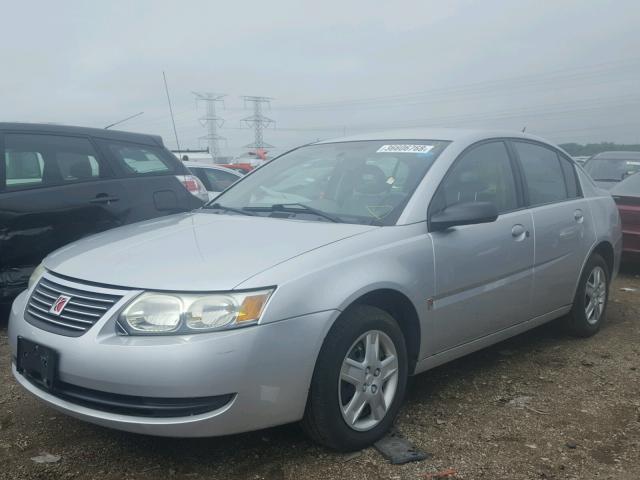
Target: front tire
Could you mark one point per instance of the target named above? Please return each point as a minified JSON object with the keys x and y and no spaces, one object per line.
{"x":359,"y":381}
{"x":589,"y":306}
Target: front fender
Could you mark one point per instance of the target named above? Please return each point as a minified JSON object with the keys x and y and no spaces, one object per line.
{"x":332,"y":277}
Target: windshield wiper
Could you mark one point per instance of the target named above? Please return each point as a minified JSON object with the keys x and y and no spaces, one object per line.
{"x":295,"y":208}
{"x":606,"y":179}
{"x":218,"y":206}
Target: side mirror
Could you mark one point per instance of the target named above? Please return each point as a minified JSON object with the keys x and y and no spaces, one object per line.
{"x":469,"y":213}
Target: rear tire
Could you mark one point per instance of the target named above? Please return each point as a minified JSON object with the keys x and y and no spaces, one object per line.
{"x":590,"y":304}
{"x":357,"y":389}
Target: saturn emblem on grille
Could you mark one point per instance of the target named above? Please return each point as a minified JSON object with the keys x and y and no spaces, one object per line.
{"x":58,"y":306}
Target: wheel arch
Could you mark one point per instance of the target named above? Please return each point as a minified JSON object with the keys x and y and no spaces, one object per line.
{"x":604,"y":248}
{"x":402,"y":309}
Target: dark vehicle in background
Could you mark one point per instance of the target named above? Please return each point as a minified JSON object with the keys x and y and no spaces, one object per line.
{"x":627,"y":197}
{"x":609,"y":168}
{"x":61,"y":183}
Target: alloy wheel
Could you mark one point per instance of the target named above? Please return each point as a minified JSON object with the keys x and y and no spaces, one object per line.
{"x":368,"y":380}
{"x":595,"y":295}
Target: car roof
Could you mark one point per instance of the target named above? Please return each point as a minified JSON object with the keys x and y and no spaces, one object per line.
{"x":446,"y":134}
{"x":75,"y":130}
{"x":212,"y":166}
{"x":618,"y":155}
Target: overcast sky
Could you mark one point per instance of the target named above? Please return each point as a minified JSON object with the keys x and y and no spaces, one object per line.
{"x":567,"y":70}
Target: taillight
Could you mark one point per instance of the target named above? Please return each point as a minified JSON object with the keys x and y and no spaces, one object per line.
{"x":194,"y":186}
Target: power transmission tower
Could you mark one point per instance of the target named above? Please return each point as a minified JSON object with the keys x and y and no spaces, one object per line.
{"x":211,"y":121}
{"x":258,"y":122}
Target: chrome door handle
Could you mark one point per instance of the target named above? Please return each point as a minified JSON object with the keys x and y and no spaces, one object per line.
{"x":519,"y":232}
{"x":578,"y":216}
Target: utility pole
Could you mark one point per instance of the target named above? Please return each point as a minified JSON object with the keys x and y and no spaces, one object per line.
{"x":211,"y":121}
{"x":258,"y":122}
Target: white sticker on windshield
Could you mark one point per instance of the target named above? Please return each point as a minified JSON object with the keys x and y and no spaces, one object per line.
{"x":404,"y":148}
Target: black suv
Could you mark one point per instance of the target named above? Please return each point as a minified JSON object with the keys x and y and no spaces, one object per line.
{"x":60,"y":183}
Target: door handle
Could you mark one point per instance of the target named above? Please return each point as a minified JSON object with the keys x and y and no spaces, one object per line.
{"x":103,"y":199}
{"x":519,"y":232}
{"x":578,"y":216}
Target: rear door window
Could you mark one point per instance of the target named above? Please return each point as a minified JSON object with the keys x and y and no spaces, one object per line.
{"x":37,"y":160}
{"x":542,"y":172}
{"x":137,"y":160}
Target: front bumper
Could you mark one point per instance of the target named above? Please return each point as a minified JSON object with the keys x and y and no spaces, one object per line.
{"x":267,"y":368}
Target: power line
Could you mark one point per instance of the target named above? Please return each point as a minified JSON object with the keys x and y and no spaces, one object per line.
{"x":574,"y":73}
{"x":211,"y":121}
{"x":258,"y":121}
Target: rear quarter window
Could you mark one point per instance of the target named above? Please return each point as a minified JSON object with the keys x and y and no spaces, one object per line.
{"x":570,"y":177}
{"x":140,"y":160}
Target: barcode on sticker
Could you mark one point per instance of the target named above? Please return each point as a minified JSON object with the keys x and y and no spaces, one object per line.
{"x":404,"y":148}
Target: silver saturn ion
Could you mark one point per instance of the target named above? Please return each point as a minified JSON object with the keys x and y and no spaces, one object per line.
{"x":313,"y":287}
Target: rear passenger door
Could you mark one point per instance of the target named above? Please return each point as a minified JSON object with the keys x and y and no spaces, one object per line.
{"x":562,"y":222}
{"x":54,"y":189}
{"x":148,"y":173}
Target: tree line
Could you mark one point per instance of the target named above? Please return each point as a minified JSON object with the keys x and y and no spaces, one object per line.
{"x":577,"y":150}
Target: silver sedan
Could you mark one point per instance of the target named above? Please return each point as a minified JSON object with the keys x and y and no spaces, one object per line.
{"x":313,"y":287}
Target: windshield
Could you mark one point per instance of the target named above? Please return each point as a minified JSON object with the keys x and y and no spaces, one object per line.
{"x":611,"y":169}
{"x":367,"y":182}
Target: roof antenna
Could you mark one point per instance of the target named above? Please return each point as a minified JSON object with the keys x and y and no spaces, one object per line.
{"x":123,"y":120}
{"x":166,"y":89}
{"x":524,"y":129}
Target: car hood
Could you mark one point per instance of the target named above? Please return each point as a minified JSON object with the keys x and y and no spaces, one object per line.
{"x":199,"y":251}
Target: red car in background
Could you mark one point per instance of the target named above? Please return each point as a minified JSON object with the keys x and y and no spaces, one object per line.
{"x":242,"y":168}
{"x":627,"y":196}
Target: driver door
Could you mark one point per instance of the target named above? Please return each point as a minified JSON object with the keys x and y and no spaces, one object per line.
{"x":483,"y":272}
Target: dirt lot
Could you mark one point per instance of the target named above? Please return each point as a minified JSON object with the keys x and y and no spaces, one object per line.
{"x":540,"y":406}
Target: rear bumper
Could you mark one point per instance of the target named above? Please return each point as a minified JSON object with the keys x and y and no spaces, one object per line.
{"x":264,"y":370}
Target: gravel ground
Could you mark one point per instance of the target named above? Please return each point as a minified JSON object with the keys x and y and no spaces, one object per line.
{"x":539,"y":406}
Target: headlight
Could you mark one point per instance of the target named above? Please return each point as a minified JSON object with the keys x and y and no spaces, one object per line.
{"x":35,"y":276}
{"x":164,"y":313}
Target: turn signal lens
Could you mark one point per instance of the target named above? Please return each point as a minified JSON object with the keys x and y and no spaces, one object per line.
{"x":252,"y":307}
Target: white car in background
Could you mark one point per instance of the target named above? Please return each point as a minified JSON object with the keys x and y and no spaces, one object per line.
{"x":215,"y":178}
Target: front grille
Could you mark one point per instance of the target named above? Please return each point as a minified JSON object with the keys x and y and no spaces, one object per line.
{"x":81,"y":312}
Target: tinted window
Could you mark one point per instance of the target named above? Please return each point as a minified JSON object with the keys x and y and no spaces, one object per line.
{"x":141,"y":159}
{"x":40,"y":160}
{"x":215,"y":180}
{"x":570,"y":178}
{"x":542,"y":172}
{"x":482,"y":174}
